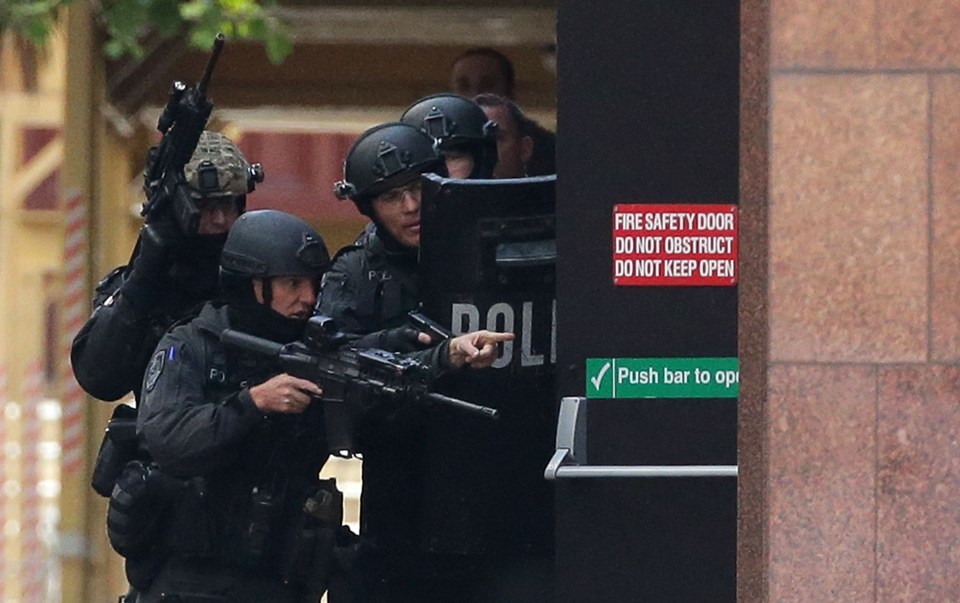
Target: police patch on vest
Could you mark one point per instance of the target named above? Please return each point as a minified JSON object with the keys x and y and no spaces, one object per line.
{"x":154,"y":370}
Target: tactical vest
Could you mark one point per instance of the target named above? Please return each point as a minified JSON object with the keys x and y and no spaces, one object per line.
{"x":387,"y":283}
{"x":249,"y":514}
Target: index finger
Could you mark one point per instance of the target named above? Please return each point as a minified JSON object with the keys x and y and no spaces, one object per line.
{"x":495,"y":337}
{"x":306,"y":386}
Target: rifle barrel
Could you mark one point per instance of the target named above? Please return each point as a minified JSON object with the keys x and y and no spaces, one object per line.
{"x":486,"y":411}
{"x":211,"y":63}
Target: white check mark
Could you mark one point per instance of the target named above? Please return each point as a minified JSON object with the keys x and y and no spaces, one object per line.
{"x":596,"y":380}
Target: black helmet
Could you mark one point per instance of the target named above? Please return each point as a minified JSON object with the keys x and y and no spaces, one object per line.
{"x":457,"y":124}
{"x":384,"y":157}
{"x":267,"y":243}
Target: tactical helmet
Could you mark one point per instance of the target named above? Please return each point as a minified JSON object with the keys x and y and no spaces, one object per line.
{"x":457,"y":124}
{"x":382,"y":158}
{"x":267,"y":243}
{"x":218,"y":168}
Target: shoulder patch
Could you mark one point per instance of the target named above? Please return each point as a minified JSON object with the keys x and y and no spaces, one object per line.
{"x":154,"y":369}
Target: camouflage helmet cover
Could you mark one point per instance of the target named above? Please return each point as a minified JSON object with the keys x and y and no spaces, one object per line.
{"x":216,"y":154}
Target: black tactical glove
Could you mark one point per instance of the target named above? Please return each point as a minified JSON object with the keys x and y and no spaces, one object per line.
{"x":149,"y":272}
{"x":400,"y":340}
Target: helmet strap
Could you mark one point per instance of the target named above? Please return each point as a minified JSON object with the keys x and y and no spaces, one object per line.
{"x":267,"y":291}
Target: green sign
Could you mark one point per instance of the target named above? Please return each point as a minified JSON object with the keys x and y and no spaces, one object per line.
{"x":663,"y":377}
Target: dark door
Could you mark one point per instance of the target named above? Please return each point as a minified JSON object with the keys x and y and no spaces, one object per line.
{"x":648,"y":100}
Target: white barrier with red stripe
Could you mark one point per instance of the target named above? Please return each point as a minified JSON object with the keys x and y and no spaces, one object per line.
{"x":75,"y":312}
{"x":32,"y":553}
{"x":7,"y":569}
{"x":71,"y":541}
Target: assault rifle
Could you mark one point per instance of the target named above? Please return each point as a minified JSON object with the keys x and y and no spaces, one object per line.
{"x":353,"y":380}
{"x":181,"y":123}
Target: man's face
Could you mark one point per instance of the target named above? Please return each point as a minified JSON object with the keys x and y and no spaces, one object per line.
{"x":513,"y":150}
{"x":217,"y":215}
{"x":292,"y":296}
{"x":459,"y":163}
{"x":475,"y":74}
{"x":398,"y":211}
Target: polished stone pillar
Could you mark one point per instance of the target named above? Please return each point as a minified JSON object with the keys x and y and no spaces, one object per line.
{"x":849,"y":434}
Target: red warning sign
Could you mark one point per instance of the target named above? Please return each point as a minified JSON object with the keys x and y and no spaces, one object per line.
{"x":675,"y":245}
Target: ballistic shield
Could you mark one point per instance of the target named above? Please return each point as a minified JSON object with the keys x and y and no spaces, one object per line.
{"x":487,"y":261}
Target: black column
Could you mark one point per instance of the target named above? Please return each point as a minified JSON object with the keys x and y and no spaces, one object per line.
{"x":647,"y":114}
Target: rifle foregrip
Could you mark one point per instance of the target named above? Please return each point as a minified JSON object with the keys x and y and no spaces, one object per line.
{"x":486,"y":411}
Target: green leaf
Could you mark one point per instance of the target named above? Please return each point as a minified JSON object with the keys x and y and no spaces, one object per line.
{"x":202,"y":35}
{"x":165,"y":15}
{"x":124,"y":19}
{"x":243,"y":8}
{"x":114,"y":49}
{"x":194,"y":10}
{"x":28,"y":10}
{"x":31,"y":20}
{"x":278,"y":47}
{"x":136,"y":50}
{"x":236,"y":6}
{"x":127,"y":20}
{"x":258,"y":29}
{"x":37,"y":31}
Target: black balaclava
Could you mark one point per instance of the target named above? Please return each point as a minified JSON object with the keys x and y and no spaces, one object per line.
{"x":250,"y":316}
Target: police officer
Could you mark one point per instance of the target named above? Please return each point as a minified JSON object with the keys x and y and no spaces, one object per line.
{"x":482,"y":69}
{"x":371,"y":286}
{"x":238,"y":443}
{"x":172,"y":271}
{"x":515,"y":144}
{"x":467,"y":139}
{"x":372,"y":283}
{"x":240,"y":439}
